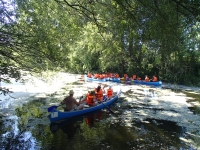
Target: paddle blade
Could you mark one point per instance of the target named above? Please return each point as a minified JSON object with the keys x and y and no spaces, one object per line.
{"x":107,"y":107}
{"x":51,"y":108}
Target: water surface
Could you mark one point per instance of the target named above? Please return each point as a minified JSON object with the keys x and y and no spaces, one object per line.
{"x":145,"y":118}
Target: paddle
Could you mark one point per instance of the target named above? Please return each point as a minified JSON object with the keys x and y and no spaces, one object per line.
{"x":106,"y":106}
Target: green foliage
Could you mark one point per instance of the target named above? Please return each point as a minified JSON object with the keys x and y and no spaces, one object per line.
{"x":142,"y":37}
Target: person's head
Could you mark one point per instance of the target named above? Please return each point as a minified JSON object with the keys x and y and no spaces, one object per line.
{"x":99,"y":86}
{"x":109,"y":87}
{"x":71,"y":92}
{"x":92,"y":93}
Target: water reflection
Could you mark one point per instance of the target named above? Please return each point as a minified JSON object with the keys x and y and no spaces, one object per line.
{"x":69,"y":127}
{"x":90,"y":119}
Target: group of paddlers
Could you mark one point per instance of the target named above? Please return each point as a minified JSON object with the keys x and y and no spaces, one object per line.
{"x":125,"y":77}
{"x":147,"y":79}
{"x":104,"y":75}
{"x":92,"y":98}
{"x":97,"y":95}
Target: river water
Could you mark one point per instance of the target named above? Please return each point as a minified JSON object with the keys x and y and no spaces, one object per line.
{"x":145,"y":117}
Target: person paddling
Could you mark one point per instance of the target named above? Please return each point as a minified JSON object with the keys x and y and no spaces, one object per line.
{"x":99,"y":93}
{"x":70,"y":102}
{"x":146,"y":78}
{"x":91,"y":98}
{"x":134,"y":77}
{"x":154,"y":79}
{"x":109,"y":92}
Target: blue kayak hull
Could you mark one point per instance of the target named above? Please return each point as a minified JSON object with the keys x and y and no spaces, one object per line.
{"x":159,"y":83}
{"x":56,"y":115}
{"x":94,"y":79}
{"x":114,"y":80}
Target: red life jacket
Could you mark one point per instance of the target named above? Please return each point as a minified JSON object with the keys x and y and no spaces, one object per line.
{"x":89,"y":75}
{"x":90,"y":100}
{"x":116,"y":75}
{"x":96,"y":76}
{"x":101,"y":76}
{"x":99,"y":95}
{"x":109,"y":92}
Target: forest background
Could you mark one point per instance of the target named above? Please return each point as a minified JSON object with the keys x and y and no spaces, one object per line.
{"x":145,"y":37}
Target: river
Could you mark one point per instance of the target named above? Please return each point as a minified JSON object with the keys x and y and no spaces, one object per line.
{"x":145,"y":117}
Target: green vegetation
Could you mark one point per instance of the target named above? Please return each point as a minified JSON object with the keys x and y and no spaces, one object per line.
{"x":139,"y":36}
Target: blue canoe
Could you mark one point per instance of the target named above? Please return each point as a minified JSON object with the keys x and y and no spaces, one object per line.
{"x":95,"y":79}
{"x":56,"y":115}
{"x":159,"y":83}
{"x":114,"y":80}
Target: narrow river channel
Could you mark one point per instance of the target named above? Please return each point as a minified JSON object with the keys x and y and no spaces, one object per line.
{"x":144,"y":118}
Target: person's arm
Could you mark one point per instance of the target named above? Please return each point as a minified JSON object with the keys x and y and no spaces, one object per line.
{"x":77,"y":103}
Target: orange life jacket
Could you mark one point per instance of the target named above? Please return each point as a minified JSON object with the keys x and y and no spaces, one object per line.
{"x":89,"y":75}
{"x":109,"y":92}
{"x":101,"y":76}
{"x":90,"y":99}
{"x":155,"y":79}
{"x":116,"y":76}
{"x":99,"y":95}
{"x":96,"y":76}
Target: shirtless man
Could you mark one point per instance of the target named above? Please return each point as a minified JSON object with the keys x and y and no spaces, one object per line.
{"x":70,"y":102}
